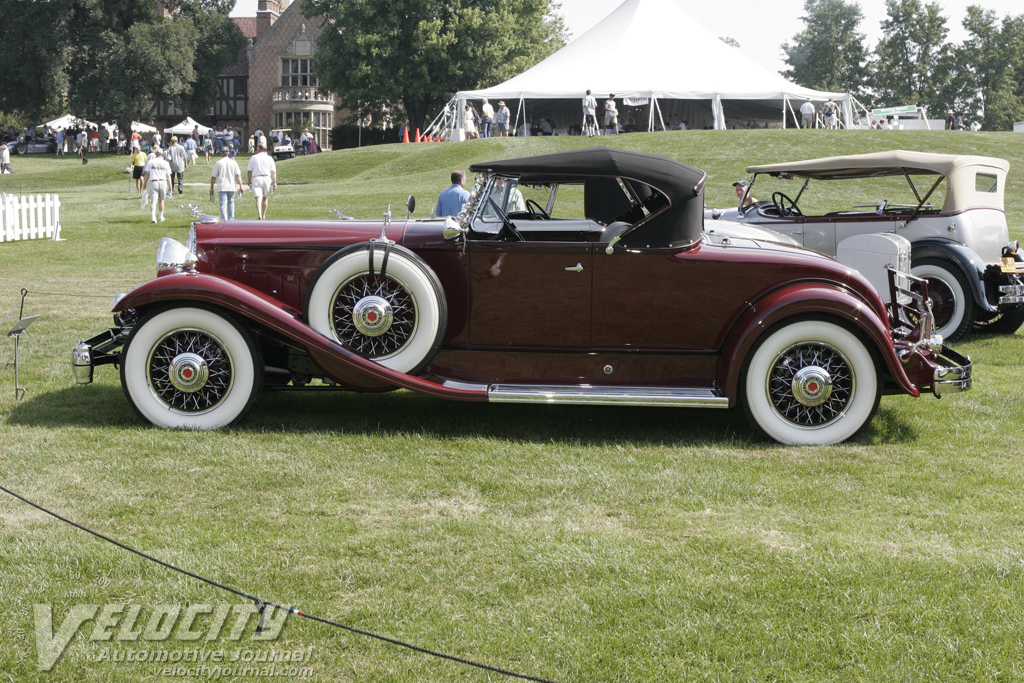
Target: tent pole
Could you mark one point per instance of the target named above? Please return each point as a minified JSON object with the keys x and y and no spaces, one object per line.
{"x":848,"y":111}
{"x":791,"y":111}
{"x":660,"y":117}
{"x":650,"y":114}
{"x":522,"y":105}
{"x":718,"y":113}
{"x":458,"y":131}
{"x":785,"y":102}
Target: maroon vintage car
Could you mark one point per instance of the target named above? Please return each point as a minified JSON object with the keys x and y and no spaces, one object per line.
{"x":581,"y":277}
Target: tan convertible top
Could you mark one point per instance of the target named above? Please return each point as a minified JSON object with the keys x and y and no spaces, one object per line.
{"x":894,"y":162}
{"x":966,"y":184}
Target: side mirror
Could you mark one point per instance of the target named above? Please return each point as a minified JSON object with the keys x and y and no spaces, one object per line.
{"x":410,"y":205}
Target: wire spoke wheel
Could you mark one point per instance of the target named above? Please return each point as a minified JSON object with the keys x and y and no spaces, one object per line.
{"x":190,"y":371}
{"x":397,"y":319}
{"x":373,"y":316}
{"x":191,"y":368}
{"x":952,"y":303}
{"x":811,"y":384}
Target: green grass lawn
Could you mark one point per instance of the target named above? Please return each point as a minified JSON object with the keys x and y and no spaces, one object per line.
{"x":570,"y":543}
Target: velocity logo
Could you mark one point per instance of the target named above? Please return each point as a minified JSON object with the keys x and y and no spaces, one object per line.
{"x":122,"y":622}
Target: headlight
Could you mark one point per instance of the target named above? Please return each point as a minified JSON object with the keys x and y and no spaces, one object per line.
{"x":173,"y":254}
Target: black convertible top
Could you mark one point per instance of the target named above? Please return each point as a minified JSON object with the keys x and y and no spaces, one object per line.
{"x":678,"y":182}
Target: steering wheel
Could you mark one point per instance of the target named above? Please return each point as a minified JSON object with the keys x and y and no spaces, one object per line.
{"x":784,"y":205}
{"x":535,"y":210}
{"x":508,"y":229}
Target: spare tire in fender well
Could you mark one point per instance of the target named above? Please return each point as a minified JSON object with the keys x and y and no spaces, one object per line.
{"x":379,"y":300}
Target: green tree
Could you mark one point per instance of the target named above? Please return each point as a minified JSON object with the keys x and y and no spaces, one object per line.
{"x":110,"y":58}
{"x":829,"y":53}
{"x":382,"y":54}
{"x":914,"y":64}
{"x":992,"y":58}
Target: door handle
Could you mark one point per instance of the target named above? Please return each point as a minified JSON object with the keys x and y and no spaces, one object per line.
{"x":578,"y":268}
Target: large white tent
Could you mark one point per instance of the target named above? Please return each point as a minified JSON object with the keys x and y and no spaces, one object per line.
{"x":662,"y":67}
{"x":68,"y":121}
{"x":186,"y":127}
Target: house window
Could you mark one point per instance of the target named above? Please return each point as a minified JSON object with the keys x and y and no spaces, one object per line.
{"x":297,"y":72}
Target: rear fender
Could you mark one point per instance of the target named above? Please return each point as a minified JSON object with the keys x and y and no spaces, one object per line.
{"x":246,"y":303}
{"x":966,"y":258}
{"x":807,"y":301}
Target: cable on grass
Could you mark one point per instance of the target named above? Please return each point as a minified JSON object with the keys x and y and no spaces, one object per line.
{"x":262,"y":604}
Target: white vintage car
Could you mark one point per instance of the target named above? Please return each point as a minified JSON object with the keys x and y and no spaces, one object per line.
{"x":950,"y":208}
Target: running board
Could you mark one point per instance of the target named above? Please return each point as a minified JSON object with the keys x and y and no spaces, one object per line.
{"x":605,"y":395}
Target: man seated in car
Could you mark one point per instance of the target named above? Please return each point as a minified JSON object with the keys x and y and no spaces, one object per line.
{"x":741,"y":186}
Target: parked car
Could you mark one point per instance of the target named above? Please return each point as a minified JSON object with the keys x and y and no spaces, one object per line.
{"x":950,"y":208}
{"x":281,"y":144}
{"x":578,"y":278}
{"x":35,"y":146}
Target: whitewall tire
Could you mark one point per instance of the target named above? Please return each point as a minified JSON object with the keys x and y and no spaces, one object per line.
{"x":952,"y":303}
{"x":397,"y":319}
{"x":190,"y":368}
{"x":810,"y":383}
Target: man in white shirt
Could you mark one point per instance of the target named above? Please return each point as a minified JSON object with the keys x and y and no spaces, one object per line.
{"x":227,"y":178}
{"x":611,"y":116}
{"x":157,"y":173}
{"x":590,"y":114}
{"x":807,"y":115}
{"x":486,"y":118}
{"x":262,"y":178}
{"x":177,"y":158}
{"x":5,"y":158}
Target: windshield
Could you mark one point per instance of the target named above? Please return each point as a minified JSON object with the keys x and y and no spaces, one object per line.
{"x":601,"y":200}
{"x":888,"y":194}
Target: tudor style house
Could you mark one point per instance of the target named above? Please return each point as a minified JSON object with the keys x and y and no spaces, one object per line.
{"x":272,"y":85}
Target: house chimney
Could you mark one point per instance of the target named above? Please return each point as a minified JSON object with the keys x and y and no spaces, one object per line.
{"x":267,"y":12}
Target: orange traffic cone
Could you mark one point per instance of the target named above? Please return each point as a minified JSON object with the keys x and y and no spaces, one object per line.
{"x":405,"y":135}
{"x":418,"y":138}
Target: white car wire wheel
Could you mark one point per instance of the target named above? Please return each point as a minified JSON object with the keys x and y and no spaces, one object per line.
{"x":810,"y":383}
{"x":397,"y":319}
{"x":952,"y":304}
{"x":191,"y":368}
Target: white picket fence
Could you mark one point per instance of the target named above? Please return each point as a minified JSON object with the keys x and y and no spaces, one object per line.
{"x":31,"y":217}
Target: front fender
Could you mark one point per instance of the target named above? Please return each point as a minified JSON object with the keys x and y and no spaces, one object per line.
{"x":968,"y":260}
{"x":336,"y":361}
{"x":804,"y":301}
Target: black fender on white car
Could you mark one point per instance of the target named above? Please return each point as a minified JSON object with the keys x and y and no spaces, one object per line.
{"x":972,"y":265}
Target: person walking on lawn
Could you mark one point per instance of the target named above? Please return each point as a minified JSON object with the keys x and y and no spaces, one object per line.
{"x":177,"y":158}
{"x":262,"y":179}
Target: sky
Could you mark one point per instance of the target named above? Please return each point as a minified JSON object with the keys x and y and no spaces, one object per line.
{"x":760,"y":26}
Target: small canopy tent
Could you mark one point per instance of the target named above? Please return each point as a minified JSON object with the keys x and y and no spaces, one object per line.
{"x":662,"y":67}
{"x":186,"y":127}
{"x":68,"y":121}
{"x":142,"y":127}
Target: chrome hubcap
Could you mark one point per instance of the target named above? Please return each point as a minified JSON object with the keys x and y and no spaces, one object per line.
{"x":812,"y":386}
{"x":372,"y":316}
{"x":188,"y":372}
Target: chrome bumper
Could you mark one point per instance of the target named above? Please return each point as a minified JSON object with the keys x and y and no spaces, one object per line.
{"x":1011,"y":294}
{"x":953,"y":374}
